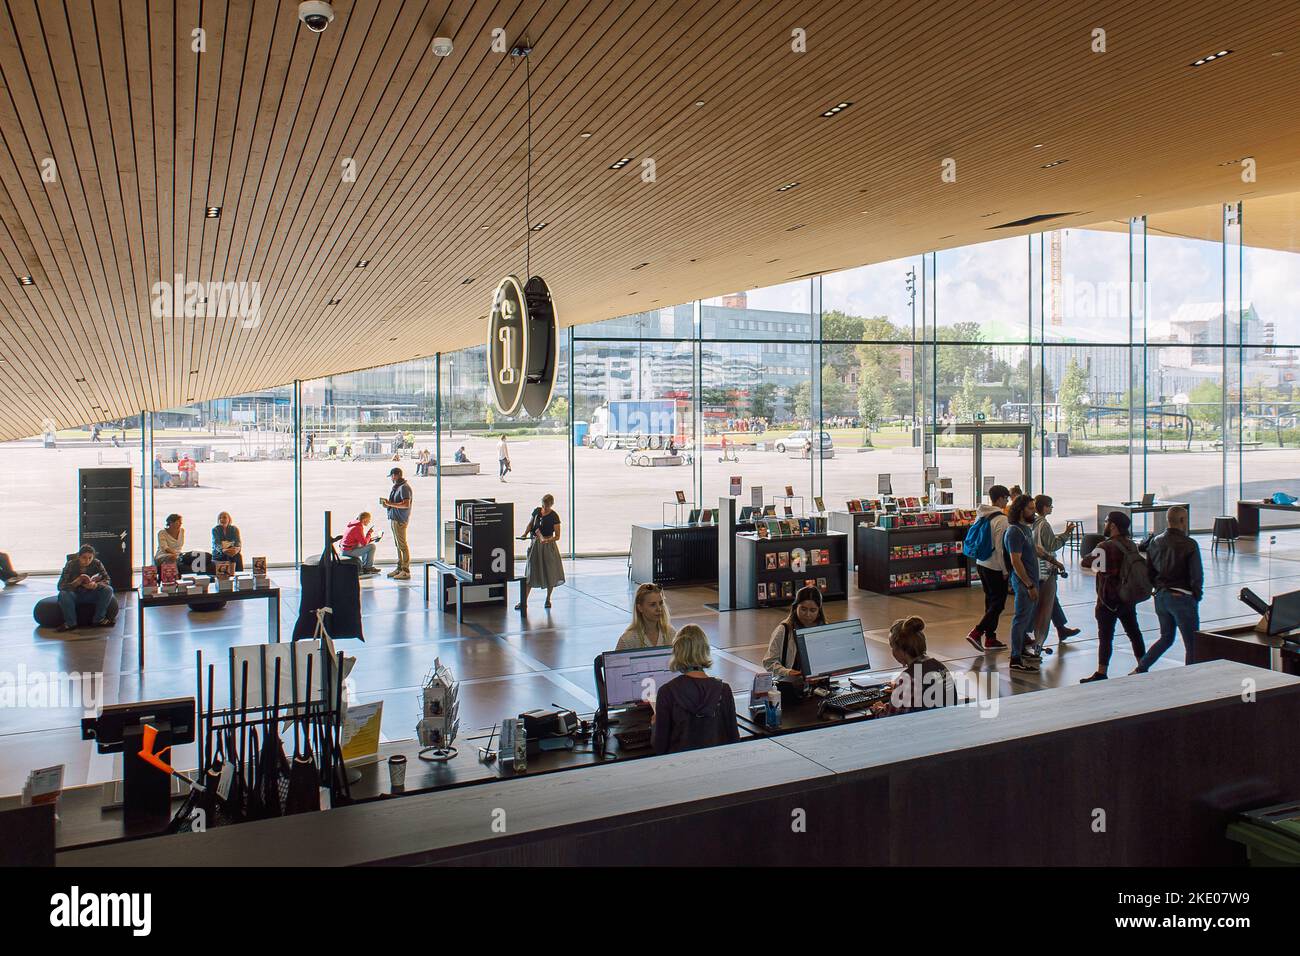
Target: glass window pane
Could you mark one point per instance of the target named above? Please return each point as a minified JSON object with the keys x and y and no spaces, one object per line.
{"x":982,"y":291}
{"x":241,"y":461}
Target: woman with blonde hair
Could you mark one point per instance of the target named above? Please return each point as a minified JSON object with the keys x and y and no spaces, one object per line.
{"x":693,"y":710}
{"x":651,"y":626}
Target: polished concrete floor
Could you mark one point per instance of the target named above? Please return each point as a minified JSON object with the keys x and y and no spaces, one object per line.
{"x":508,"y":663}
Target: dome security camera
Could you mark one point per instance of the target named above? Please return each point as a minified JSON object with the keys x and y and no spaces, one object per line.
{"x":442,"y":46}
{"x":316,"y":15}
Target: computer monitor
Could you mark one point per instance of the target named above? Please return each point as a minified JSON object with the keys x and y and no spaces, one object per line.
{"x":831,"y":649}
{"x":1284,"y":615}
{"x":626,"y":673}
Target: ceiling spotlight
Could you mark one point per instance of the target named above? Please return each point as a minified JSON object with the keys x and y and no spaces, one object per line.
{"x":701,"y":102}
{"x":786,"y":187}
{"x":362,"y":263}
{"x":539,"y":227}
{"x":1211,"y":58}
{"x":1053,"y":163}
{"x":467,"y":281}
{"x":194,"y":371}
{"x":585,"y":135}
{"x":485,"y":227}
{"x":213,"y":212}
{"x":1038,"y":146}
{"x":622,"y":162}
{"x":26,"y":280}
{"x":333,"y":301}
{"x":442,"y":46}
{"x":837,"y":109}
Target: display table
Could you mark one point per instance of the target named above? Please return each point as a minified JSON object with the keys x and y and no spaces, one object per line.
{"x":753,"y":568}
{"x":1157,"y":508}
{"x":1248,"y":515}
{"x":666,"y":554}
{"x":1245,"y":645}
{"x":889,"y":556}
{"x":272,"y":596}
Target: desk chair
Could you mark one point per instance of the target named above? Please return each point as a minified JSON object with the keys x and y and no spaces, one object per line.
{"x":1225,"y":529}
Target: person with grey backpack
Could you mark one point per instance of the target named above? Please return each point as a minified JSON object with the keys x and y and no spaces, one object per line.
{"x":1123,"y":582}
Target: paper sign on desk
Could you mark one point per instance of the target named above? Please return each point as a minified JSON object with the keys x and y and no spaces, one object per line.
{"x":361,"y":733}
{"x":756,"y":496}
{"x":43,"y":786}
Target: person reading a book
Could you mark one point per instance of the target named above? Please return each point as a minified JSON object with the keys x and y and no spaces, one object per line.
{"x":782,"y":651}
{"x":651,"y":626}
{"x":360,"y":542}
{"x":84,"y":581}
{"x":226,"y":543}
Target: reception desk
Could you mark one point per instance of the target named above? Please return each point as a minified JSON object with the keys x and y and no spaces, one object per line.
{"x":1143,"y":770}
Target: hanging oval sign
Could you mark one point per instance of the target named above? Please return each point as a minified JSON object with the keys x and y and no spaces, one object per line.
{"x":522,"y":346}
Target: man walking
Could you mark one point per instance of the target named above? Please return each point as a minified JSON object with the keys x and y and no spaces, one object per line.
{"x":1048,"y":542}
{"x":503,"y":457}
{"x":1023,"y":555}
{"x":398,"y":505}
{"x":1179,"y":579}
{"x":992,"y":572}
{"x":1113,"y":604}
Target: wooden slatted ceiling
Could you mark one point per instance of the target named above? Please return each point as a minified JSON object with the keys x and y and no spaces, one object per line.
{"x":146,"y":134}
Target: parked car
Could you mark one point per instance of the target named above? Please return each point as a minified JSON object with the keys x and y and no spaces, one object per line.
{"x":795,"y":442}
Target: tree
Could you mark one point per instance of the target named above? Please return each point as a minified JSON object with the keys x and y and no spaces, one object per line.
{"x":836,"y":399}
{"x":559,"y":410}
{"x":802,"y":399}
{"x":1206,"y":405}
{"x":762,"y":400}
{"x":1070,"y":396}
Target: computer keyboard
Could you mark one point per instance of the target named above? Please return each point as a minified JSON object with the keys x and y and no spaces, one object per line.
{"x":854,"y":700}
{"x":633,"y":739}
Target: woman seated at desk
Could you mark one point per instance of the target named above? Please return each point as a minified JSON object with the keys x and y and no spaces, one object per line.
{"x":782,"y":650}
{"x":650,"y":625}
{"x":693,"y":710}
{"x":924,"y":683}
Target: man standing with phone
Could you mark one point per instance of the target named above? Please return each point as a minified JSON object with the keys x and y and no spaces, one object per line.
{"x":398,"y":506}
{"x":84,"y":581}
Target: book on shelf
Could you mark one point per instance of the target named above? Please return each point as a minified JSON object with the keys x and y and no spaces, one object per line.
{"x":693,"y":517}
{"x":783,"y":559}
{"x":787,"y":589}
{"x":818,"y":504}
{"x":821,"y":585}
{"x":771,"y":560}
{"x":789,"y":491}
{"x":762,"y":591}
{"x":760,"y":529}
{"x":681,"y":497}
{"x":855,"y":506}
{"x":769,"y":511}
{"x":706,"y":516}
{"x":810,"y":582}
{"x":789,"y":512}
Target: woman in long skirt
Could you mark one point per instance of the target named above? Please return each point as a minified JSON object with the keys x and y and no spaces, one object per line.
{"x":544,"y":569}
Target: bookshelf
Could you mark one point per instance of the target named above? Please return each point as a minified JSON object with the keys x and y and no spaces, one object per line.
{"x":770,"y":570}
{"x":484,"y":540}
{"x":903,"y":560}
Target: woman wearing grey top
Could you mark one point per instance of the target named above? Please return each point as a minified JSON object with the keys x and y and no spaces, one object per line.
{"x":1047,"y":543}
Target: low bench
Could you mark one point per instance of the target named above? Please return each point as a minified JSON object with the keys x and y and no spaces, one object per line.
{"x":460,"y":468}
{"x":450,"y":576}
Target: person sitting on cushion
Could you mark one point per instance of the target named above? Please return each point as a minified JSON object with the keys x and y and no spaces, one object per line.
{"x":84,"y":581}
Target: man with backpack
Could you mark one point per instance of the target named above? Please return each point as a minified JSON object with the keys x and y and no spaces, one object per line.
{"x":1123,"y":582}
{"x":984,"y":542}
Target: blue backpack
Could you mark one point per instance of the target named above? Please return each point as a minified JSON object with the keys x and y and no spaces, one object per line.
{"x":978,"y":543}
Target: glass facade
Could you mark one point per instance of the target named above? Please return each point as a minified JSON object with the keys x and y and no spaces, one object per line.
{"x":1142,"y":359}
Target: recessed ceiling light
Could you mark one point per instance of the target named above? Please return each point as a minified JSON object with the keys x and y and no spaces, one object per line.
{"x":1278,"y":53}
{"x":585,"y":135}
{"x":333,"y":301}
{"x":837,"y":109}
{"x":786,"y":187}
{"x":622,"y":162}
{"x":1055,"y":162}
{"x":639,"y":265}
{"x":194,"y":371}
{"x":362,"y":263}
{"x":467,"y":281}
{"x":1038,"y":146}
{"x":485,"y":227}
{"x":26,"y":280}
{"x":213,"y":212}
{"x":1211,"y":58}
{"x":81,"y":380}
{"x":539,"y":227}
{"x":793,"y":228}
{"x":701,"y":102}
